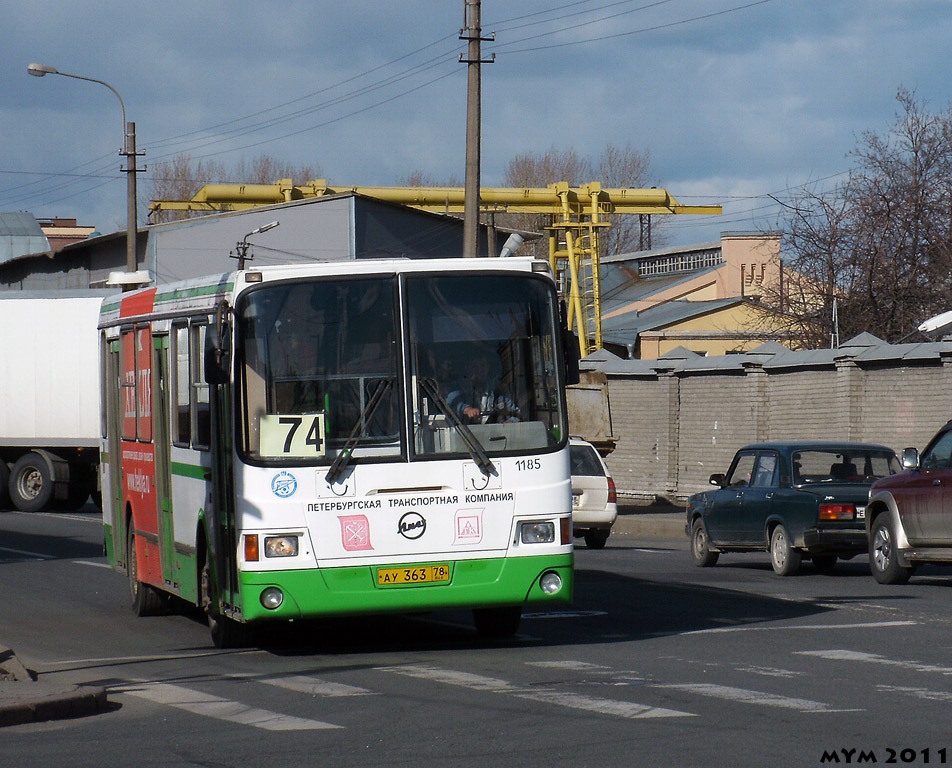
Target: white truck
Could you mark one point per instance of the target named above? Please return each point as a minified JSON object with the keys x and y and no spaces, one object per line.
{"x":49,"y":399}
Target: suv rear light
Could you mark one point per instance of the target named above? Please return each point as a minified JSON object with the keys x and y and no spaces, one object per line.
{"x":837,"y":511}
{"x":612,"y":493}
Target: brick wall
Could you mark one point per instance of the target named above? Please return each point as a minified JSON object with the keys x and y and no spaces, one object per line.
{"x":679,"y":420}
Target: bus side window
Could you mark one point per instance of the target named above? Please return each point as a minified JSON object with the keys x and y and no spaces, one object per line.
{"x":181,"y":400}
{"x":201,"y":412}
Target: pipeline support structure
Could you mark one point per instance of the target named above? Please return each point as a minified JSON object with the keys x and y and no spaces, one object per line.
{"x":577,"y":215}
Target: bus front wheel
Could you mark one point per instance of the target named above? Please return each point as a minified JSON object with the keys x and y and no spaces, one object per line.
{"x":225,"y":632}
{"x":497,"y":622}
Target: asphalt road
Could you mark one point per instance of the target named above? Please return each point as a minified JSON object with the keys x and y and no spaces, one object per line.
{"x":658,"y":663}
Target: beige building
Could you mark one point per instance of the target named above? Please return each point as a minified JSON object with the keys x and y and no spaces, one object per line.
{"x":704,"y":298}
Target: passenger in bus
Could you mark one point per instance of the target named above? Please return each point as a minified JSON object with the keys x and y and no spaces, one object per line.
{"x":477,"y":397}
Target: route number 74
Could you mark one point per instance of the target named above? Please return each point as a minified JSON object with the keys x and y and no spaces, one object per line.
{"x":293,"y":435}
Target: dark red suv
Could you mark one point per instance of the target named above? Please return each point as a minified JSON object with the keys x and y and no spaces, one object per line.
{"x":909,"y":515}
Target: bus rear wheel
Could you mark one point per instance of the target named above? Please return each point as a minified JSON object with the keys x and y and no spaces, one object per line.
{"x":146,"y":599}
{"x":497,"y":622}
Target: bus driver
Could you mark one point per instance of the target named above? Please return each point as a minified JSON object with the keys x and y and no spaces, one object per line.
{"x":477,"y":398}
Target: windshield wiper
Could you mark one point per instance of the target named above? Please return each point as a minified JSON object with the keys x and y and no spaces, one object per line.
{"x":483,"y":461}
{"x":347,"y":452}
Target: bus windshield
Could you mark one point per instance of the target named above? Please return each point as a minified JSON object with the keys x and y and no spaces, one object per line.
{"x":322,"y":373}
{"x":483,"y":364}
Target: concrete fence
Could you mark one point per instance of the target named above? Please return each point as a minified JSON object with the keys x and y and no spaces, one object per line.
{"x":678,"y":419}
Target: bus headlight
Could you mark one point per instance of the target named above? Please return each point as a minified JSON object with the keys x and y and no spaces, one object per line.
{"x":550,"y":582}
{"x":280,"y":546}
{"x":537,"y":532}
{"x":272,"y":598}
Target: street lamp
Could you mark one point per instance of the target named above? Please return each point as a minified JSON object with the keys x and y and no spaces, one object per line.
{"x":242,"y":247}
{"x":128,"y":150}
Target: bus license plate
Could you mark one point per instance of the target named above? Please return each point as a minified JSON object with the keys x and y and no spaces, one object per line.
{"x":418,"y":574}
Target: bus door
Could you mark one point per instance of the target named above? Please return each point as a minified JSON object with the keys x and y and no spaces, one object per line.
{"x":215,"y":376}
{"x":163,"y":468}
{"x":112,"y":406}
{"x":138,"y":451}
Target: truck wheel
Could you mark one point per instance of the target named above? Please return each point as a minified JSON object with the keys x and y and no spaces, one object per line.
{"x":82,"y":482}
{"x":701,"y":546}
{"x":31,"y":483}
{"x":882,"y":554}
{"x":783,"y":557}
{"x":4,"y":483}
{"x":596,"y":538}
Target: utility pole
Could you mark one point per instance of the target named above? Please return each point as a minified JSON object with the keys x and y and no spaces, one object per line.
{"x":132,"y":224}
{"x":472,"y":31}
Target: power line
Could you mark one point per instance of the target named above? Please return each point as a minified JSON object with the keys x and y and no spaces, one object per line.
{"x":247,"y":125}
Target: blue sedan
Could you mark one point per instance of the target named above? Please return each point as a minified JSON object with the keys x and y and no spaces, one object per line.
{"x":791,"y":499}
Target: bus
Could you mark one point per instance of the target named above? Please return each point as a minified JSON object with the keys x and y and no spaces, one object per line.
{"x":279,"y":443}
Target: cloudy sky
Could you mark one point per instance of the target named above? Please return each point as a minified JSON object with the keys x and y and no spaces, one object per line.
{"x":735,"y":101}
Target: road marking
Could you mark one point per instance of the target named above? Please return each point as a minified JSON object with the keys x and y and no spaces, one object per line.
{"x":770,"y":671}
{"x":108,"y":661}
{"x":207,"y":705}
{"x":870,"y":625}
{"x":310,"y":685}
{"x":25,"y":553}
{"x":872,"y":658}
{"x":95,"y":517}
{"x":94,"y":565}
{"x":568,"y":664}
{"x":627,"y":709}
{"x":918,"y":693}
{"x":745,"y":696}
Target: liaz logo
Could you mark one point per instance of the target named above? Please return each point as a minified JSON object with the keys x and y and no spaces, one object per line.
{"x":283,"y":485}
{"x":412,"y":525}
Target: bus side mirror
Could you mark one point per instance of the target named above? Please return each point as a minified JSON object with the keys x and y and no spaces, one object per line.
{"x":570,"y":348}
{"x":218,"y":348}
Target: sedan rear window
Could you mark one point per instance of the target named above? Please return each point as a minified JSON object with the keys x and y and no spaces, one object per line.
{"x":832,"y":466}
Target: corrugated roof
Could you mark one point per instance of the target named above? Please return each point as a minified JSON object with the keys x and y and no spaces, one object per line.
{"x":621,"y":284}
{"x":20,"y":235}
{"x":624,"y":329}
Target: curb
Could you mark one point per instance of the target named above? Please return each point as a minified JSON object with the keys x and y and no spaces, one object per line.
{"x":660,"y":526}
{"x":24,"y":699}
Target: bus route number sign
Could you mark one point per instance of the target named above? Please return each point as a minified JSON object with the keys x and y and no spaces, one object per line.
{"x":292,"y":435}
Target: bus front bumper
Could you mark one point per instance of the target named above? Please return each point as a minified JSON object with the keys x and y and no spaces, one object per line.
{"x":352,"y":591}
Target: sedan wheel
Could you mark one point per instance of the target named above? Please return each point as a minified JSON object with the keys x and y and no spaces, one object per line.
{"x":882,"y":555}
{"x":701,"y":546}
{"x":783,"y":557}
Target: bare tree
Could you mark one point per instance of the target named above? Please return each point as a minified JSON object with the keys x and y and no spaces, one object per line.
{"x":419,"y":178}
{"x":879,"y":244}
{"x":615,"y":167}
{"x":182,"y":177}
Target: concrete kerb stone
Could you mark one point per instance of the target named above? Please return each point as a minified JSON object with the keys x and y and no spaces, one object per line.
{"x":26,"y":699}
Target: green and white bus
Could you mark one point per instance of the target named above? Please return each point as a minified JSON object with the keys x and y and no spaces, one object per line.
{"x":279,"y":443}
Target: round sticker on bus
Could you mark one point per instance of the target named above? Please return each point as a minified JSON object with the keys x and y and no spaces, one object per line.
{"x":284,"y":484}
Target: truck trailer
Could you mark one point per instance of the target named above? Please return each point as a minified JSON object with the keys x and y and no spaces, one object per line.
{"x":49,"y":399}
